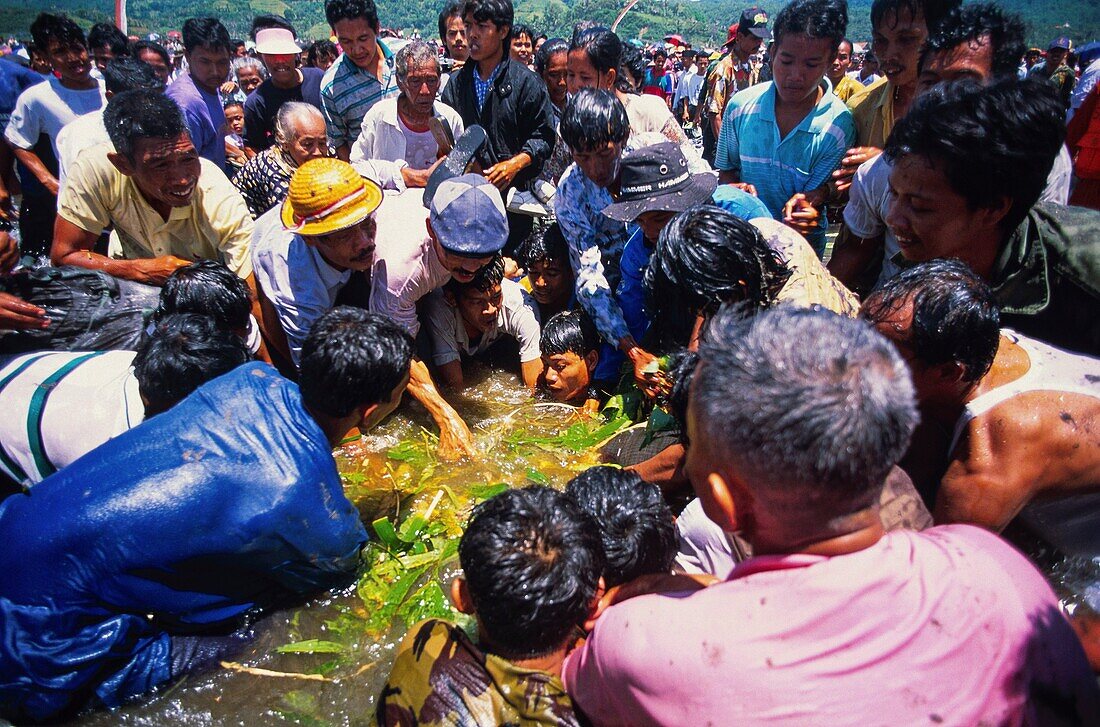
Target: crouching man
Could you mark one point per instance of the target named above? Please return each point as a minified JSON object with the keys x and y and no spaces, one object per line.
{"x":191,"y":524}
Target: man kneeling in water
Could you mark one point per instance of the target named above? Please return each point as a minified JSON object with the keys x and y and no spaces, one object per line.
{"x":570,"y":351}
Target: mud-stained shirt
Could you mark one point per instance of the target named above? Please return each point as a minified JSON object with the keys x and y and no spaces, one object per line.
{"x":440,"y":677}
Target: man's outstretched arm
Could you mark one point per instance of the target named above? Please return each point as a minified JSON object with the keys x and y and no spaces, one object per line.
{"x":74,"y":246}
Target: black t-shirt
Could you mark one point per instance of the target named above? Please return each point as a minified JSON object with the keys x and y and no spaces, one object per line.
{"x":263,"y":104}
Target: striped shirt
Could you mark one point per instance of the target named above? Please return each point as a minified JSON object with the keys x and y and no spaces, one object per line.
{"x":348,"y":92}
{"x":802,"y":161}
{"x":58,"y":406}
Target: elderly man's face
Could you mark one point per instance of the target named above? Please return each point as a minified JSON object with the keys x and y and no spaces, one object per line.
{"x":420,"y":86}
{"x":165,"y":171}
{"x":308,"y":140}
{"x":348,"y":249}
{"x":249,"y":79}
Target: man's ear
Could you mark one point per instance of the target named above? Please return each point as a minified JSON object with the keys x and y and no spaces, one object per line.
{"x":460,"y":596}
{"x":121,"y":163}
{"x":993,"y":216}
{"x":720,"y":504}
{"x":591,"y":359}
{"x":950,"y":373}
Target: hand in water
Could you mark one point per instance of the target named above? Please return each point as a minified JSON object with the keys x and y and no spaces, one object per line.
{"x":455,"y":439}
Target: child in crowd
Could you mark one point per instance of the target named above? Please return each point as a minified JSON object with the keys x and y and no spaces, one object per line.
{"x":467,"y":319}
{"x":235,"y":153}
{"x":636,"y":524}
{"x":531,"y":560}
{"x":570,"y":349}
{"x":545,"y":257}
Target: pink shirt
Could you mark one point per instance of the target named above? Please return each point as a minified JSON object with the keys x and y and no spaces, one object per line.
{"x":950,"y":625}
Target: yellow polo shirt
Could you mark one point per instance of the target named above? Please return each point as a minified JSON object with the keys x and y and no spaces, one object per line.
{"x":215,"y":226}
{"x":847,"y":87}
{"x":873,"y":110}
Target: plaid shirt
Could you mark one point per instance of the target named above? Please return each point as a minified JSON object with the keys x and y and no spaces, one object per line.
{"x":348,"y":92}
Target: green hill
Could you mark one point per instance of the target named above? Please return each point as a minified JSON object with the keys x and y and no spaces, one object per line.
{"x":701,"y":21}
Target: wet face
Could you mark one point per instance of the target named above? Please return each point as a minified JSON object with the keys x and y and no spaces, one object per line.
{"x":420,"y":86}
{"x":929,"y":218}
{"x":457,"y":46}
{"x":568,"y":375}
{"x":580,"y":73}
{"x":485,"y":38}
{"x":309,"y":140}
{"x":551,"y":282}
{"x":652,"y":223}
{"x":800,"y":64}
{"x":209,"y":67}
{"x":556,"y":78}
{"x":166,"y":171}
{"x":283,"y":68}
{"x":897,"y":41}
{"x":894,"y":324}
{"x":348,"y":249}
{"x":973,"y":60}
{"x":841,"y":63}
{"x":523,"y":49}
{"x":248,"y":78}
{"x":601,"y":165}
{"x":153,"y":59}
{"x":70,"y":60}
{"x":101,"y":55}
{"x":359,"y":41}
{"x":479,"y":308}
{"x":234,"y":117}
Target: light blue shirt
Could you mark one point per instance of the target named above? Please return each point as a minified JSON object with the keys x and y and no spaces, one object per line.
{"x":802,"y":161}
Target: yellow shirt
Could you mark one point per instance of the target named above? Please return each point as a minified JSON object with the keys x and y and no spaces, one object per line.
{"x":847,"y":87}
{"x":873,"y":110}
{"x":215,"y":226}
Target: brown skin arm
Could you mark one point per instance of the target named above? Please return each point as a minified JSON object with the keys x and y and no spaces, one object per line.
{"x":73,"y":246}
{"x":31,"y":161}
{"x":531,"y":371}
{"x":664,"y":469}
{"x":343,"y":152}
{"x":852,"y":256}
{"x":455,"y":440}
{"x":502,"y":173}
{"x":450,"y":374}
{"x":1039,"y":443}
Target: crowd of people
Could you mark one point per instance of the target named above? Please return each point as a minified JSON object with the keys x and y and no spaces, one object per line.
{"x":227,"y":256}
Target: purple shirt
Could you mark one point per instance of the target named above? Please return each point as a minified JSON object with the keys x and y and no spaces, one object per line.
{"x":204,"y":116}
{"x":949,"y":625}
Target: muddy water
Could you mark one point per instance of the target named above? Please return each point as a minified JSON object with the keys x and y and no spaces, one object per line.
{"x":357,"y":653}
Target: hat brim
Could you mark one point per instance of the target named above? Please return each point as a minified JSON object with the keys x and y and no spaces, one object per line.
{"x":341,"y":219}
{"x":278,"y":49}
{"x":697,"y":191}
{"x":761,"y":33}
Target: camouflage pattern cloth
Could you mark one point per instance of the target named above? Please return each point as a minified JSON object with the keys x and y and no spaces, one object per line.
{"x":440,"y":677}
{"x":729,"y":76}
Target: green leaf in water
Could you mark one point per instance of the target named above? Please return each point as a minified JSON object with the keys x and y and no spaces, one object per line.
{"x":484,"y":492}
{"x":537,"y":477}
{"x":384,"y":528}
{"x":410,"y":529}
{"x":312,"y":646}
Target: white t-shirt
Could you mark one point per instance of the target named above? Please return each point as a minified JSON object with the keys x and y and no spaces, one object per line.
{"x":518,"y":317}
{"x":80,"y":134}
{"x":421,"y":149}
{"x":45,"y":108}
{"x":58,"y":406}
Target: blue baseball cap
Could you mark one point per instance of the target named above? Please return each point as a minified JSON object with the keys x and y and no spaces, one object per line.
{"x":467,"y":216}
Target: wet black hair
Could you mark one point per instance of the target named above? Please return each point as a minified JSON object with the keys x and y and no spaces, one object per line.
{"x":321,"y":48}
{"x":210,"y":288}
{"x":108,"y":35}
{"x":207,"y":33}
{"x":352,"y":358}
{"x":487,"y":276}
{"x":570,"y":331}
{"x":592,"y":118}
{"x":632,"y":60}
{"x":57,"y":26}
{"x":600,"y":44}
{"x":813,"y":18}
{"x":267,"y":20}
{"x":532,"y":561}
{"x":183,"y":352}
{"x":548,"y":50}
{"x":498,"y":12}
{"x":635,"y":522}
{"x":991,"y":142}
{"x":141,"y":114}
{"x":140,"y":45}
{"x":123,"y":73}
{"x":971,"y":23}
{"x":453,"y":9}
{"x":933,"y":11}
{"x":547,"y":243}
{"x":337,"y":10}
{"x":954,"y":314}
{"x":705,"y":257}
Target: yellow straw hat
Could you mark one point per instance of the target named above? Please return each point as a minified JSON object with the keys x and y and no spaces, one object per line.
{"x":328,"y":195}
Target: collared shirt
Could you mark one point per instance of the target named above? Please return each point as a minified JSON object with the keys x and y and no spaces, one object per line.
{"x":803,"y":639}
{"x":204,"y":115}
{"x":873,"y":111}
{"x":381,"y":137}
{"x":406,"y":266}
{"x":348,"y":92}
{"x":214,"y":226}
{"x":481,"y":88}
{"x":847,"y":87}
{"x":58,"y":406}
{"x":728,"y":78}
{"x":300,"y":284}
{"x":517,"y":317}
{"x":801,"y":161}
